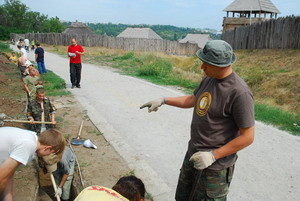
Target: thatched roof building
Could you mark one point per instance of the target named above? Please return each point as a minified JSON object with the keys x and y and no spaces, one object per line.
{"x":199,"y":39}
{"x":246,"y":12}
{"x":146,"y":33}
{"x":78,"y":28}
{"x":255,"y":6}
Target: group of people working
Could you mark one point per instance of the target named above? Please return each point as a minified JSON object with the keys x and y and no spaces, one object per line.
{"x":222,"y":124}
{"x":48,"y":143}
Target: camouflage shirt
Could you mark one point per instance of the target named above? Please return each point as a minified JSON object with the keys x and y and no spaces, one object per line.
{"x":35,"y":111}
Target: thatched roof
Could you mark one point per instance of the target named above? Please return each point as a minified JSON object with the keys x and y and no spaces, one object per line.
{"x":252,"y":5}
{"x":200,"y":39}
{"x":146,"y":33}
{"x":78,"y":28}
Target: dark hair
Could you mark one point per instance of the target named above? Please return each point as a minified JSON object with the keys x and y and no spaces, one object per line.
{"x":128,"y":190}
{"x":38,"y":44}
{"x":40,"y":90}
{"x":136,"y":181}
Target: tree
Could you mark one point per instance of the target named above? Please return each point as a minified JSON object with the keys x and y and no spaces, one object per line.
{"x":17,"y":18}
{"x":13,"y":13}
{"x":52,"y":25}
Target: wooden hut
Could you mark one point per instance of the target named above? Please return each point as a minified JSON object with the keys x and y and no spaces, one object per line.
{"x":199,"y":39}
{"x":145,"y":33}
{"x":78,"y":28}
{"x":244,"y":12}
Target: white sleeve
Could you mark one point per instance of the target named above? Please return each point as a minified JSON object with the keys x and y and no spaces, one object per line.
{"x":24,"y":152}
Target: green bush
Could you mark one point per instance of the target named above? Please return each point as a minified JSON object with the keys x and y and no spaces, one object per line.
{"x":126,"y":56}
{"x":158,"y":67}
{"x":5,"y":32}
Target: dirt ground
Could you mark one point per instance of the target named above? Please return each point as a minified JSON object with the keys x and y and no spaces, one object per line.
{"x":102,"y":166}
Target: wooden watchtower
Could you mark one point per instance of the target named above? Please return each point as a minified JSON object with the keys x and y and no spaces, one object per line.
{"x":245,"y":12}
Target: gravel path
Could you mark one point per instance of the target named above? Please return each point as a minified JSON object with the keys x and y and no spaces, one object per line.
{"x":154,"y":144}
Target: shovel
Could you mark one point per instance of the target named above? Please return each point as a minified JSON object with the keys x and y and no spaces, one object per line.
{"x":78,"y":141}
{"x":54,"y":186}
{"x":26,"y":121}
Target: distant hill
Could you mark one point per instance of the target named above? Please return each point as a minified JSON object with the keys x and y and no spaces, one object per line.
{"x":167,"y":32}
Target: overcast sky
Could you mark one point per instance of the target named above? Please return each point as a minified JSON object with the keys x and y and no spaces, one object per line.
{"x":183,"y":13}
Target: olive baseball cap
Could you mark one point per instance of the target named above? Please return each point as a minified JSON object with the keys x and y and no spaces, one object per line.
{"x":218,"y":53}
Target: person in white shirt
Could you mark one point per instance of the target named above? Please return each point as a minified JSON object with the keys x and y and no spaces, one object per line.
{"x":19,"y":146}
{"x":26,"y":41}
{"x":22,"y":51}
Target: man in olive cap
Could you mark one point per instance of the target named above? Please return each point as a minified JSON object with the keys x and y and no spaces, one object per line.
{"x":222,"y":124}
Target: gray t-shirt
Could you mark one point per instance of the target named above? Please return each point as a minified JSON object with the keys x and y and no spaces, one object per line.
{"x":67,"y":161}
{"x":222,"y":107}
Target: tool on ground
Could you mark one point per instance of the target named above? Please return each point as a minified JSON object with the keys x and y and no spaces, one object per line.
{"x":80,"y":175}
{"x":196,"y":182}
{"x":78,"y":140}
{"x":88,"y":144}
{"x":26,"y":121}
{"x":54,"y":186}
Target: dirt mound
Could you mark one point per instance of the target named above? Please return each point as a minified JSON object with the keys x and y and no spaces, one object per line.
{"x":13,"y":98}
{"x":4,"y":58}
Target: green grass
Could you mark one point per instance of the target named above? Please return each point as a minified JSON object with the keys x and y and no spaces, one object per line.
{"x":53,"y":84}
{"x":275,"y":116}
{"x":4,"y":47}
{"x":130,"y":173}
{"x":152,"y":68}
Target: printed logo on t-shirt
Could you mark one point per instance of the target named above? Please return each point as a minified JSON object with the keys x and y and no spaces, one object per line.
{"x":203,"y":103}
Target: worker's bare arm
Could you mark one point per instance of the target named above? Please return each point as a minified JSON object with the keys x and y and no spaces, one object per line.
{"x":181,"y":101}
{"x":63,"y":180}
{"x":7,"y":169}
{"x":26,"y":88}
{"x":245,"y":139}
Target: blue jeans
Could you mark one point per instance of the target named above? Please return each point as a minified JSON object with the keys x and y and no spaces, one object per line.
{"x":41,"y":67}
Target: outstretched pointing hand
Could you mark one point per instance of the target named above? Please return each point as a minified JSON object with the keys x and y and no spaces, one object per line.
{"x":154,"y":104}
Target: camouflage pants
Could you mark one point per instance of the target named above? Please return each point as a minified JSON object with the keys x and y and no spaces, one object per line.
{"x":213,"y":185}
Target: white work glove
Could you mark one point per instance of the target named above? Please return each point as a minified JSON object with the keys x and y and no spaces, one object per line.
{"x":58,"y":192}
{"x":202,"y":159}
{"x":154,"y":104}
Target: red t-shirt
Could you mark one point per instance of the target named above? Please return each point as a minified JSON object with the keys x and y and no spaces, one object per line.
{"x":73,"y":49}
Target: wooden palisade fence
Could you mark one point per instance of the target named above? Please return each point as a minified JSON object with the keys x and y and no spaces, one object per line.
{"x":281,"y":33}
{"x":129,"y":44}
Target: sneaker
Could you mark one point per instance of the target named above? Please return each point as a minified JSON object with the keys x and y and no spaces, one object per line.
{"x":73,"y":86}
{"x":78,"y":86}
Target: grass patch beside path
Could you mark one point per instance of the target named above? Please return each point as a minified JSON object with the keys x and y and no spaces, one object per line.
{"x":4,"y":47}
{"x":54,"y":85}
{"x":275,"y":116}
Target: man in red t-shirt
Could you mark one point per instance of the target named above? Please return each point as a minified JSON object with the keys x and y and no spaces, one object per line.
{"x":74,"y":52}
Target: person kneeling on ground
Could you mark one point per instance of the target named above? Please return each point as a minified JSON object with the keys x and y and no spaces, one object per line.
{"x":41,"y":109}
{"x":13,"y":58}
{"x":64,"y":174}
{"x":31,"y":82}
{"x":126,"y":189}
{"x":19,"y":146}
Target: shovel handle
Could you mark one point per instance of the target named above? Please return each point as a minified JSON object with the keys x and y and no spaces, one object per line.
{"x":80,"y":129}
{"x":54,"y":186}
{"x":28,"y":122}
